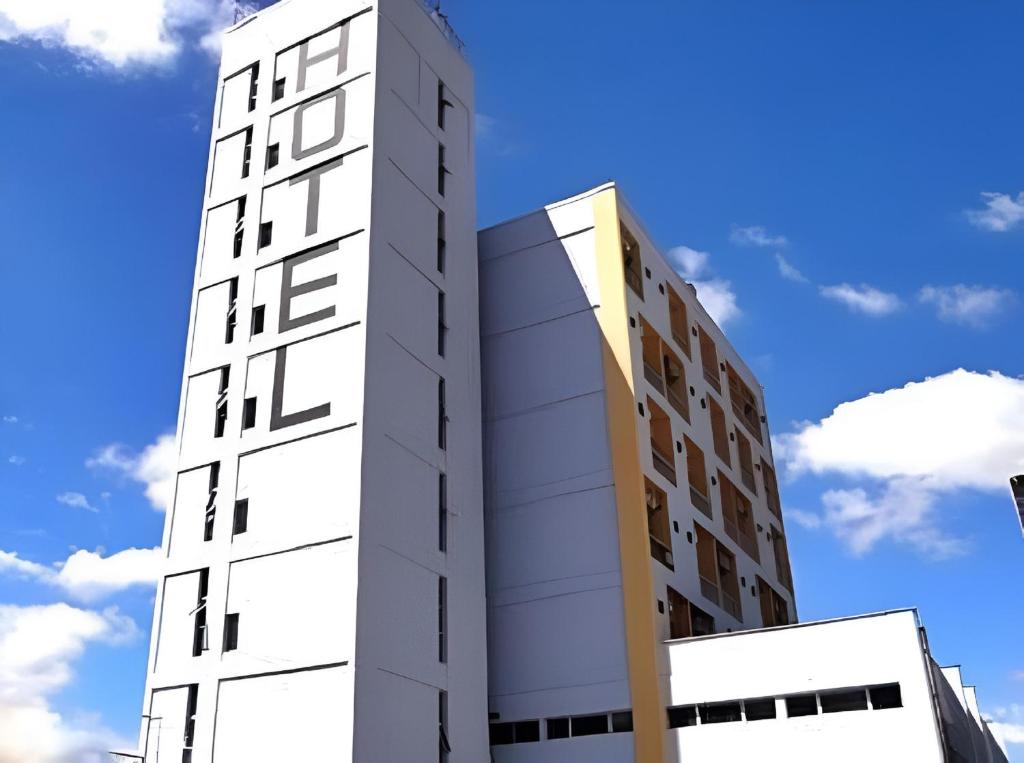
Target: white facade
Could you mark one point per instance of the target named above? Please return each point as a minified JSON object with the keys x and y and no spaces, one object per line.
{"x":853,"y":689}
{"x":324,"y":575}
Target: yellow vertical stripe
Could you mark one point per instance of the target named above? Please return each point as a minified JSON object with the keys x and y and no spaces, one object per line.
{"x":634,"y":550}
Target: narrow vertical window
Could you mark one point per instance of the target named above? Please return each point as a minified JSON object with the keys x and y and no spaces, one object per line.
{"x":266,"y":234}
{"x":444,"y":747}
{"x":258,"y":317}
{"x":211,"y":501}
{"x":442,"y":243}
{"x":254,"y":85}
{"x":443,"y":104}
{"x":278,"y":89}
{"x":241,"y":518}
{"x":442,"y":170}
{"x":442,"y":619}
{"x":442,"y":326}
{"x":190,"y":722}
{"x":232,"y":317}
{"x":249,"y":413}
{"x":222,"y":402}
{"x":231,"y":632}
{"x":239,"y":228}
{"x":199,"y":636}
{"x":273,"y":155}
{"x":442,"y":512}
{"x":247,"y":154}
{"x":442,"y":417}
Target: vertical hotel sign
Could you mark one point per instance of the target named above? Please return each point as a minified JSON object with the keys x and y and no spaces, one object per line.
{"x":1017,"y":488}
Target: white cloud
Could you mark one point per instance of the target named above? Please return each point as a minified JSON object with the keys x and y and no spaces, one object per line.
{"x":76,"y":501}
{"x":38,"y":646}
{"x":1009,"y":726}
{"x":863,"y":298}
{"x":972,"y":306}
{"x":10,"y":419}
{"x":155,"y":467}
{"x":120,"y":33}
{"x":715,"y":294}
{"x":807,"y":519}
{"x":920,"y":441}
{"x":1001,"y":213}
{"x":788,"y":271}
{"x":88,"y":575}
{"x":754,"y":235}
{"x":16,"y":460}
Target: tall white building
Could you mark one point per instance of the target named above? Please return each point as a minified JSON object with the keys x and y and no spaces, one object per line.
{"x":323,"y":596}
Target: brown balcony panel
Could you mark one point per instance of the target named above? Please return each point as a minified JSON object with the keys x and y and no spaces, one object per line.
{"x":701,"y":502}
{"x":679,"y":403}
{"x":713,"y":379}
{"x":664,"y":466}
{"x":749,"y":544}
{"x":730,"y":605}
{"x":748,"y":479}
{"x":730,"y":529}
{"x":662,"y":553}
{"x":635,"y":283}
{"x":708,"y":590}
{"x":654,"y":378}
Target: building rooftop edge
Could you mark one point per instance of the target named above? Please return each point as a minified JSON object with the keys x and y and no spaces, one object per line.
{"x":807,"y":624}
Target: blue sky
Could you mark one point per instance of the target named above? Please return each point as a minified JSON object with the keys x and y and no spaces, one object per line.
{"x":819,"y":169}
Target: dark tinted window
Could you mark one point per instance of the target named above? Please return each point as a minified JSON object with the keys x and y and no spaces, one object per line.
{"x":803,"y":704}
{"x":720,"y":712}
{"x":759,"y":709}
{"x":558,"y":728}
{"x":843,"y":701}
{"x":682,"y":716}
{"x":622,"y":721}
{"x":702,"y":624}
{"x":587,"y":725}
{"x":527,"y":731}
{"x":501,"y":733}
{"x":886,"y":696}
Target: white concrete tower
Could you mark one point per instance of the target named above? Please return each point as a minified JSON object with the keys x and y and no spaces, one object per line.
{"x":323,"y":597}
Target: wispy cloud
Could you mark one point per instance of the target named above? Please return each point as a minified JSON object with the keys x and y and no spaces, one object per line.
{"x":788,"y":271}
{"x":974,"y":306}
{"x":16,"y":460}
{"x":120,"y":33}
{"x":908,"y":457}
{"x":154,"y":467}
{"x":715,"y":294}
{"x":88,"y":575}
{"x":10,"y":419}
{"x":755,"y":235}
{"x":1001,"y":213}
{"x":863,"y":299}
{"x":39,"y":646}
{"x":1008,"y":724}
{"x":76,"y":501}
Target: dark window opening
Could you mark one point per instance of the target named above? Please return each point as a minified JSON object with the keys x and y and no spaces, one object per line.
{"x":517,"y":732}
{"x":804,"y":704}
{"x":502,"y":733}
{"x":208,"y":524}
{"x":527,"y":731}
{"x":273,"y":155}
{"x":254,"y":85}
{"x":442,"y":523}
{"x":622,"y":722}
{"x":558,"y":728}
{"x":278,"y":89}
{"x":442,"y":104}
{"x":231,"y":632}
{"x":886,"y":697}
{"x":221,"y":420}
{"x":720,"y":712}
{"x":442,"y":326}
{"x":701,"y":623}
{"x":249,"y":413}
{"x":241,"y":519}
{"x":266,"y":234}
{"x":258,"y":316}
{"x":442,"y":417}
{"x":442,"y":244}
{"x":442,"y":170}
{"x":444,"y":747}
{"x":225,"y":379}
{"x":844,"y":701}
{"x":589,"y":725}
{"x":237,"y":251}
{"x":200,"y":634}
{"x":190,"y":717}
{"x":682,"y":716}
{"x":442,"y":619}
{"x":232,"y":317}
{"x":759,"y":709}
{"x":247,"y":153}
